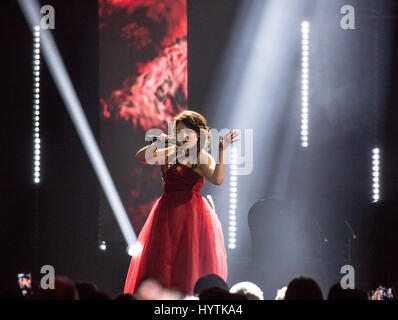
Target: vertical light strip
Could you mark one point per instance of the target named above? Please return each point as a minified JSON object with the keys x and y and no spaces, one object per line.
{"x":57,"y":70}
{"x":305,"y":30}
{"x":233,"y":199}
{"x":36,"y":104}
{"x":376,"y":174}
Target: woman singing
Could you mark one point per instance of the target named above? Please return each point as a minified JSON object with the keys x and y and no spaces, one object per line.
{"x":182,"y":238}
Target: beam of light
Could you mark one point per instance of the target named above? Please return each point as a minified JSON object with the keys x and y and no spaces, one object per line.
{"x":305,"y":30}
{"x":251,"y":91}
{"x":375,"y":174}
{"x":36,"y":104}
{"x":31,"y":11}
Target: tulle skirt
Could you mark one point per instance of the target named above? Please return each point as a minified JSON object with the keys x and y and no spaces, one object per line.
{"x":181,"y":241}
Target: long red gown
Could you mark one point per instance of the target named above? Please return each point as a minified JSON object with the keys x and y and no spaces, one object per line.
{"x":182,"y":238}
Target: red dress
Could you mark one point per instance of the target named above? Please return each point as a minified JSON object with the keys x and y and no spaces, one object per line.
{"x":182,"y":238}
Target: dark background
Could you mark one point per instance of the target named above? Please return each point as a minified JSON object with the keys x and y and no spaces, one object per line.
{"x":57,"y":222}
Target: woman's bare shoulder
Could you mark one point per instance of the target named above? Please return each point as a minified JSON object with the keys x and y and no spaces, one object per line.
{"x":205,"y":159}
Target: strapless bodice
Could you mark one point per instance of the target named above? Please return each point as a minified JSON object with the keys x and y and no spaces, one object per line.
{"x":181,"y":178}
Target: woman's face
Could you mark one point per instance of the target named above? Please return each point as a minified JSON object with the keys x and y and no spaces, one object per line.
{"x":188,"y":136}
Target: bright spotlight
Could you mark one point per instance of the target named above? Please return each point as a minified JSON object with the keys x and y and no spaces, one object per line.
{"x":102,"y":245}
{"x":135,"y":249}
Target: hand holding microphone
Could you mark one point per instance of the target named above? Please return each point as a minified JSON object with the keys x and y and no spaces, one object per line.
{"x":165,"y":138}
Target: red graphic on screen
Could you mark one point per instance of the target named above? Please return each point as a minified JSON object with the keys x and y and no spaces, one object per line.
{"x":143,"y":68}
{"x":156,"y":95}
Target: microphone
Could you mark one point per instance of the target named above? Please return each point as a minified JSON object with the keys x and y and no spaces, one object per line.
{"x":168,"y":141}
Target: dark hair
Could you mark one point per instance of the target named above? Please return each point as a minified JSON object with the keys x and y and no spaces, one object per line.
{"x":65,"y":289}
{"x":303,"y":288}
{"x":209,"y":281}
{"x":217,"y":293}
{"x":196,"y":122}
{"x":86,"y":289}
{"x":125,"y":296}
{"x":336,"y":292}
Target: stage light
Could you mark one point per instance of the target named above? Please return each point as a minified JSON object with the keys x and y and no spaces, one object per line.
{"x":56,"y":66}
{"x":134,"y":250}
{"x":102,"y":245}
{"x":376,"y":174}
{"x":304,"y":82}
{"x":305,"y":25}
{"x":36,"y":104}
{"x":233,"y":198}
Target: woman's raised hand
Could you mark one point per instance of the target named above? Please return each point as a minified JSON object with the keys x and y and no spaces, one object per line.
{"x":228,"y":139}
